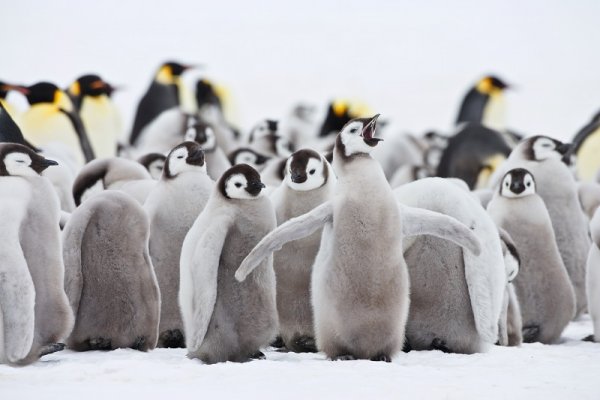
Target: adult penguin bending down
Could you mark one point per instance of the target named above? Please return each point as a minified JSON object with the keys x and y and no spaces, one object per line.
{"x":360,"y":281}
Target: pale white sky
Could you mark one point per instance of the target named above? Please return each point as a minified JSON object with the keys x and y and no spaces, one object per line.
{"x":411,"y":61}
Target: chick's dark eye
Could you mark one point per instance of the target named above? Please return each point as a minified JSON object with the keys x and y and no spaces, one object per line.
{"x":353,"y":130}
{"x":180,"y":157}
{"x":238,"y":185}
{"x":312,"y":172}
{"x":528,"y":184}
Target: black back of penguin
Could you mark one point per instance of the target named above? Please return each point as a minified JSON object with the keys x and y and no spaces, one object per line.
{"x":474,"y":103}
{"x":161,"y":96}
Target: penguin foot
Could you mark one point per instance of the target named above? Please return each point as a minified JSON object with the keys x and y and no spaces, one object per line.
{"x":99,"y":344}
{"x":531,"y":333}
{"x":278,"y":343}
{"x":139,"y":343}
{"x":382,"y":357}
{"x":439,"y":344}
{"x":304,"y":344}
{"x":172,"y":338}
{"x":259,"y":355}
{"x":589,"y":338}
{"x":51,"y":348}
{"x":343,"y":357}
{"x":407,"y":347}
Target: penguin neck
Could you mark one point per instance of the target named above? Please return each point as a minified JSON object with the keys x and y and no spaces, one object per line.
{"x":494,"y":112}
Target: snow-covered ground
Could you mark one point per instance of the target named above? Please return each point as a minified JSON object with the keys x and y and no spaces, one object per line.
{"x":569,"y":370}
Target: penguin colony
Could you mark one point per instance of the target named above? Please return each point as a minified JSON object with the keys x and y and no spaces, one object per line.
{"x":306,"y":234}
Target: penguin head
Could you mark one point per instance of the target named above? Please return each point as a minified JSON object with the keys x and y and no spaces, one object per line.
{"x":202,"y":134}
{"x":206,"y":94}
{"x":306,"y":170}
{"x":169,"y":72}
{"x":48,"y":93}
{"x":241,"y":182}
{"x":265,"y":127}
{"x":516,"y":183}
{"x":357,"y":136}
{"x":540,"y":148}
{"x":188,"y":156}
{"x":154,"y":163}
{"x":491,"y":85}
{"x":246,"y":155}
{"x":19,"y":160}
{"x":90,"y":85}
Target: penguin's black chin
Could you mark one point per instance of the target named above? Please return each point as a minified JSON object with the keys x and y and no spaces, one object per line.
{"x":254,"y":188}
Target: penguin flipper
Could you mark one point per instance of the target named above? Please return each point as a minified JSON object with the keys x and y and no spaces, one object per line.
{"x":294,"y":229}
{"x":17,"y":298}
{"x":203,"y":281}
{"x":419,"y":221}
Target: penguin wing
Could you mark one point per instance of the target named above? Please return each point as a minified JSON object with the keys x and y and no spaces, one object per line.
{"x":294,"y":229}
{"x":203,"y":280}
{"x":17,"y":293}
{"x":589,"y":197}
{"x":419,"y":221}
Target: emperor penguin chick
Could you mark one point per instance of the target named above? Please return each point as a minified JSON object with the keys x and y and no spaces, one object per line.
{"x":360,"y":293}
{"x":543,"y":288}
{"x":173,"y":205}
{"x":593,"y":276}
{"x":226,"y":320}
{"x":154,"y":163}
{"x":543,"y":157}
{"x":308,"y":182}
{"x":109,"y":278}
{"x":40,"y":224}
{"x":216,"y":160}
{"x":456,"y":296}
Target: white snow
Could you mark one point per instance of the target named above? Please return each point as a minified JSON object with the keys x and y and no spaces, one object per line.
{"x":568,"y":370}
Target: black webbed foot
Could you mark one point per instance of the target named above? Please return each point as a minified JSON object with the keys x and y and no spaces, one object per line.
{"x":139,"y":343}
{"x":343,"y":357}
{"x":278,"y":343}
{"x":259,"y":355}
{"x":172,"y":338}
{"x":304,"y":344}
{"x":51,"y":348}
{"x":531,"y":333}
{"x":382,"y":357}
{"x":99,"y":344}
{"x":439,"y":344}
{"x":589,"y":338}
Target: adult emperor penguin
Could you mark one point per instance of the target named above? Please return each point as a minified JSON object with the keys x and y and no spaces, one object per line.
{"x":10,"y":131}
{"x":216,"y":160}
{"x":173,"y":205}
{"x":542,"y":157}
{"x":309,"y":181}
{"x":484,"y":103}
{"x":113,"y":173}
{"x":40,"y":224}
{"x":109,"y":277}
{"x":586,"y":146}
{"x":593,"y":276}
{"x":456,"y":296}
{"x":360,"y":293}
{"x":166,"y":91}
{"x":545,"y":293}
{"x":473,"y":154}
{"x":154,"y":163}
{"x":226,"y":320}
{"x":100,"y":116}
{"x":51,"y":121}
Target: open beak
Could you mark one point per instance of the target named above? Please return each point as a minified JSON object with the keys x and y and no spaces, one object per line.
{"x":369,"y":131}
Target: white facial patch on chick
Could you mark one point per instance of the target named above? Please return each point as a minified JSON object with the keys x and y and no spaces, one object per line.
{"x":178,"y":162}
{"x":514,"y":186}
{"x":246,"y":157}
{"x":19,"y":164}
{"x":315,"y":176}
{"x":156,"y":168}
{"x":545,"y":148}
{"x":235,"y":188}
{"x":353,"y":141}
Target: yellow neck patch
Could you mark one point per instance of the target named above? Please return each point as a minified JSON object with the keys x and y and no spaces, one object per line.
{"x":491,"y":164}
{"x":75,"y":89}
{"x":165,"y":76}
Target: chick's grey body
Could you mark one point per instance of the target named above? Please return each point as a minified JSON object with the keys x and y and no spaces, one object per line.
{"x":53,"y":315}
{"x":172,"y":206}
{"x":109,"y":278}
{"x":240,"y":318}
{"x":542,"y":286}
{"x":293,"y":265}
